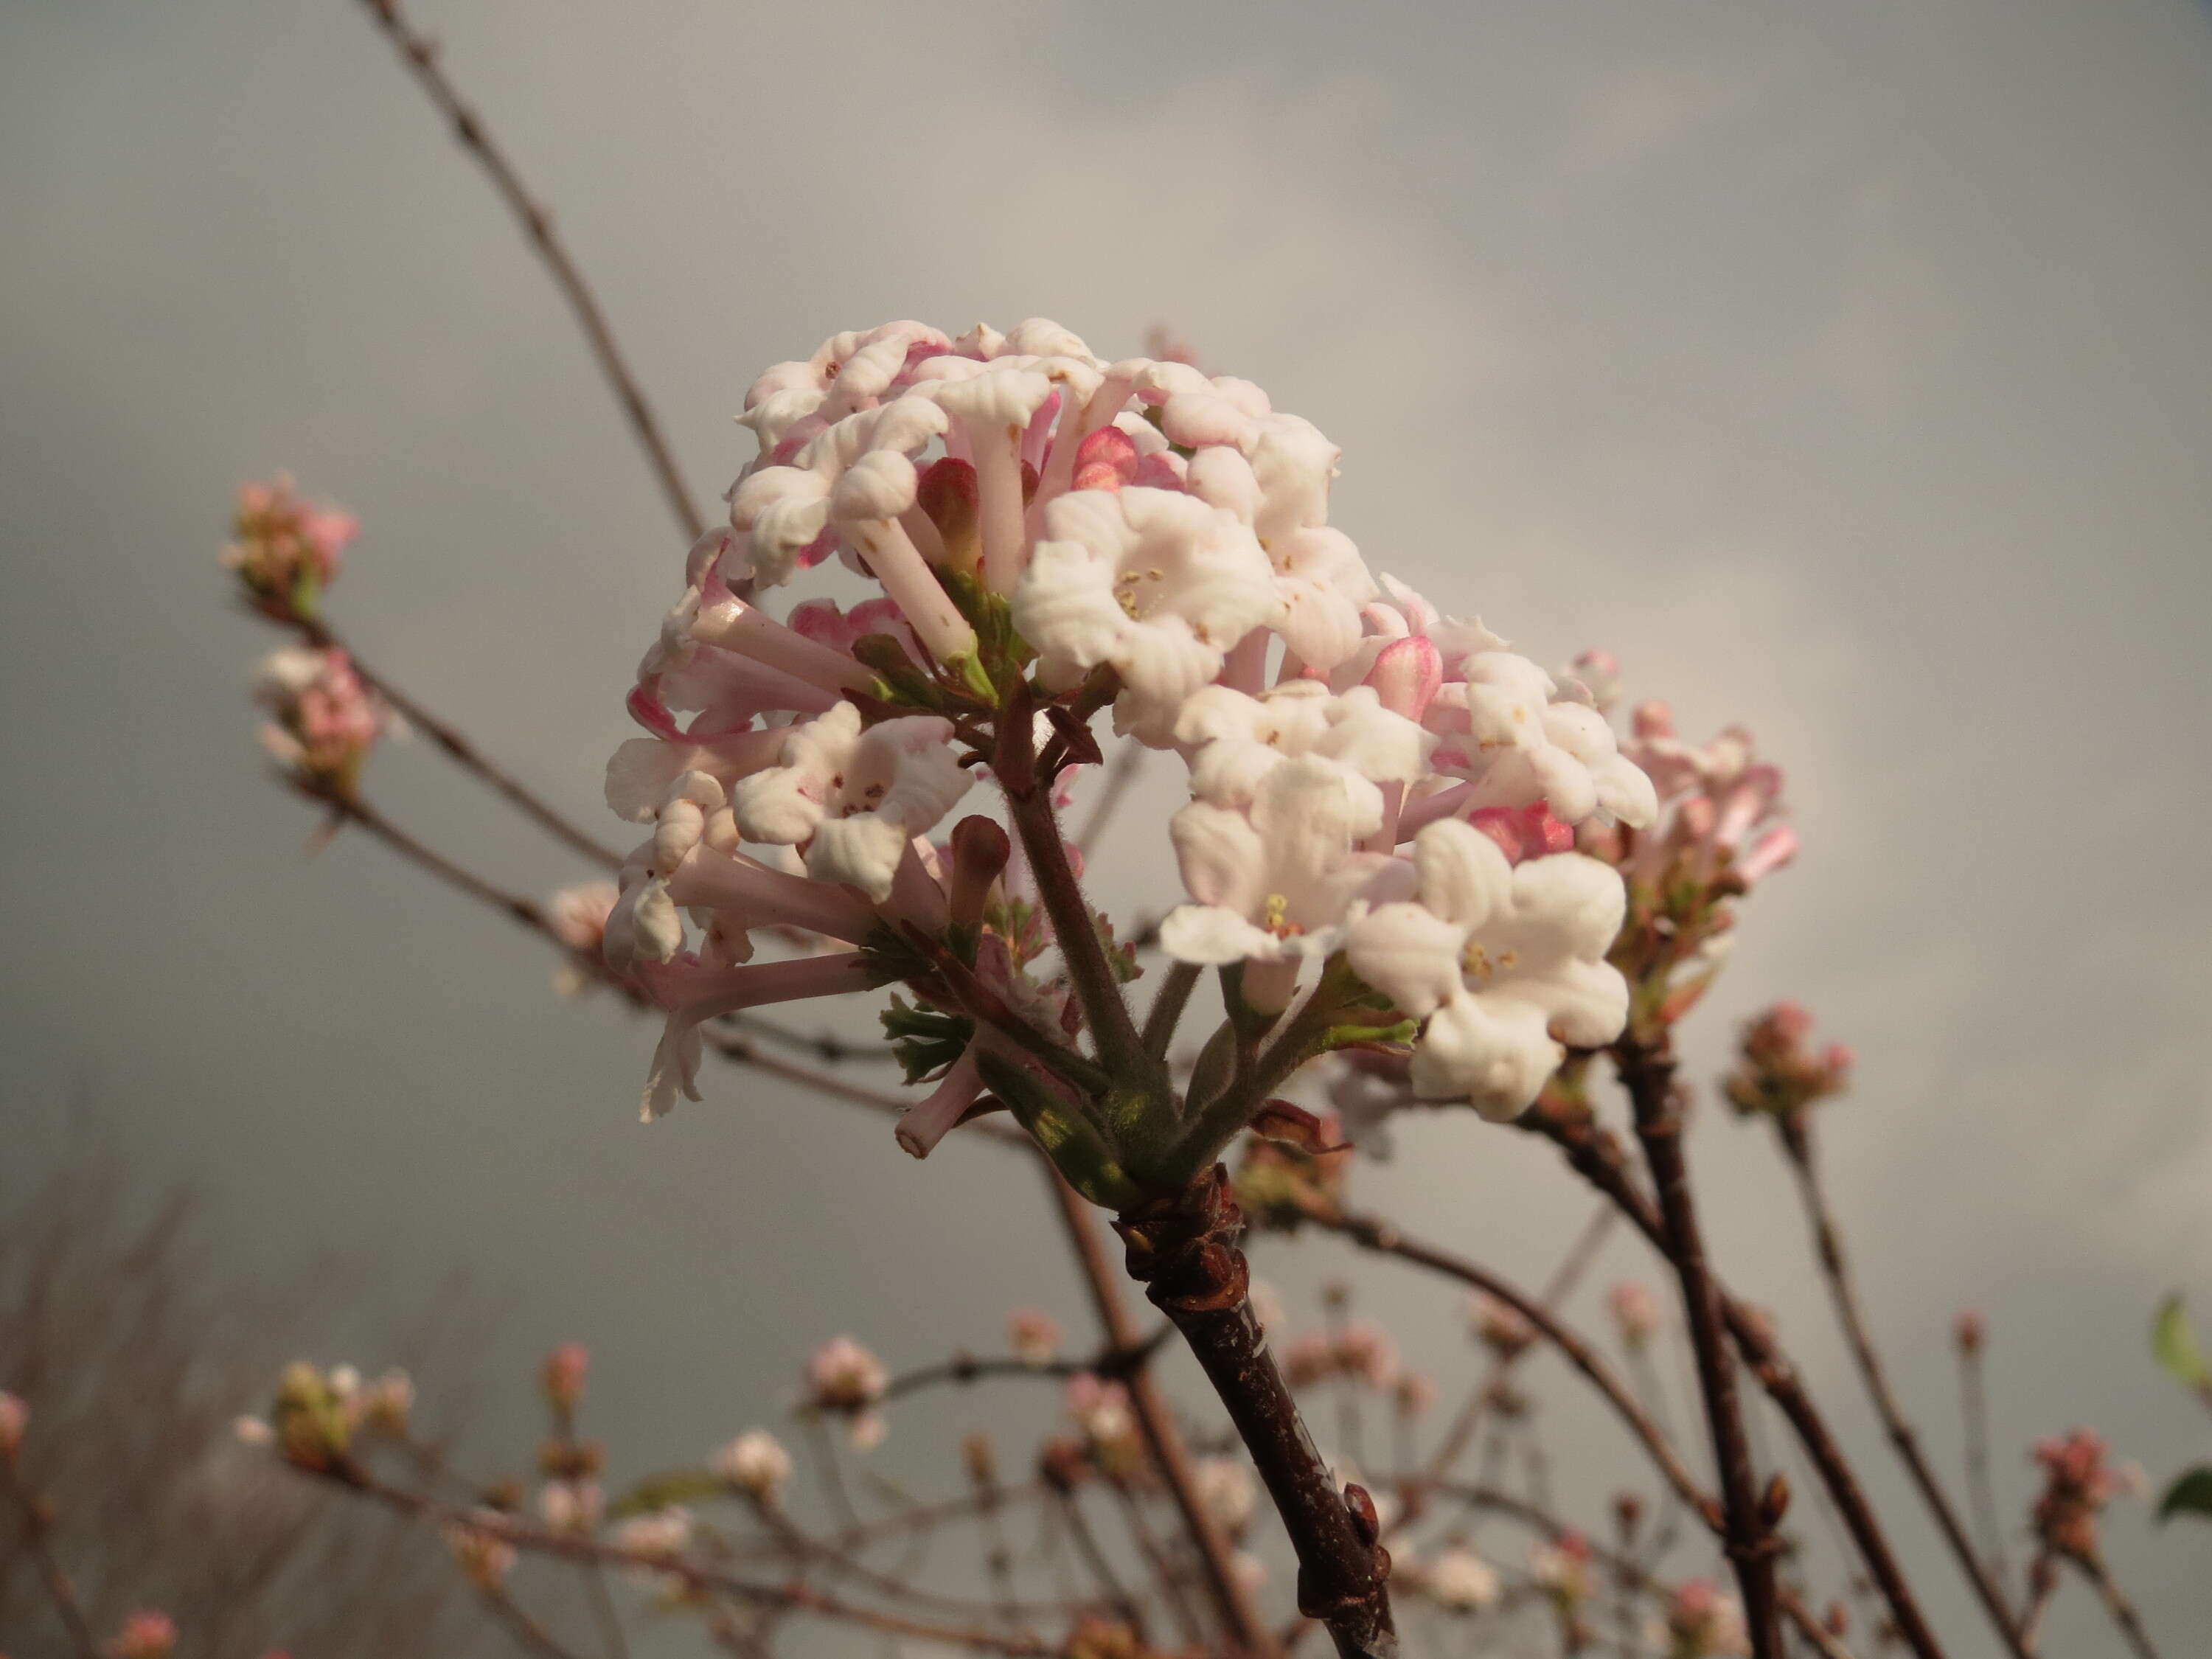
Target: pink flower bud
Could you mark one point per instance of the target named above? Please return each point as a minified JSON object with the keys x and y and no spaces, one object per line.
{"x":146,"y":1634}
{"x":1407,"y":675}
{"x":563,"y":1376}
{"x":1107,"y":459}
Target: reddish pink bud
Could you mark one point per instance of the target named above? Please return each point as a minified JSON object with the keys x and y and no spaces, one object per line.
{"x":563,"y":1376}
{"x":14,"y":1418}
{"x":980,"y":851}
{"x":1107,"y":459}
{"x":146,"y":1634}
{"x":1969,"y":1330}
{"x":1653,"y":720}
{"x":1407,"y":675}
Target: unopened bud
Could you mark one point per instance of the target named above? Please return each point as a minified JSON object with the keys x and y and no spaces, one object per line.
{"x":14,"y":1415}
{"x":1364,"y":1520}
{"x":1774,"y":1503}
{"x":563,"y":1376}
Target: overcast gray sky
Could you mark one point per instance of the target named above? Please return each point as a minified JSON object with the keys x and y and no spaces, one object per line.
{"x":1845,"y":369}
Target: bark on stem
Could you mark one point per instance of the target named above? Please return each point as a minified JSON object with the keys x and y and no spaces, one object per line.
{"x":1649,"y":1076}
{"x":420,"y":54}
{"x":1184,"y":1250}
{"x":1795,"y":1133}
{"x":1156,"y":1422}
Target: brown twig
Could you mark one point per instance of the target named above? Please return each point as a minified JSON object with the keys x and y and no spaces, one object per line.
{"x":1632,"y":1572}
{"x":1156,"y":1422}
{"x":577,"y":1546}
{"x":463,"y":752}
{"x":38,"y":1543}
{"x":1648,"y":1073}
{"x":1110,"y":1361}
{"x":1371,"y":1233}
{"x":1795,"y":1131}
{"x":1556,"y":1290}
{"x":1184,"y":1250}
{"x":1974,"y":1412}
{"x":2123,"y":1611}
{"x":526,"y":1630}
{"x":1593,"y":1154}
{"x":420,"y":54}
{"x":731,"y":1045}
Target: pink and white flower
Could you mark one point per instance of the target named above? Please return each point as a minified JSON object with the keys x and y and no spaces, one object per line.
{"x":1505,"y":963}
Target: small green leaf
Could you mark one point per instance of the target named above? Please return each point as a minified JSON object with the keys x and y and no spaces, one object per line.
{"x":658,"y":1492}
{"x":2174,"y":1346}
{"x":2190,"y":1494}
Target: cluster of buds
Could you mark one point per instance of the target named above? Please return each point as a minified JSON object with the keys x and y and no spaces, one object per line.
{"x":1721,"y":829}
{"x":1358,"y":1351}
{"x":323,"y":721}
{"x":316,"y":1414}
{"x":1382,"y":797}
{"x":286,"y":551}
{"x":1700,"y":1622}
{"x":2077,"y":1484}
{"x":844,"y":1380}
{"x":756,"y":1464}
{"x":148,"y":1633}
{"x":1779,"y":1073}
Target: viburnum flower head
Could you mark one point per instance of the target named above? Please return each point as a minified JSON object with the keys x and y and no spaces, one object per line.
{"x":1048,"y":533}
{"x":286,"y":551}
{"x":323,"y":720}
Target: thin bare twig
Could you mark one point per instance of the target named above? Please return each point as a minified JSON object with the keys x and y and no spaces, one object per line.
{"x":463,"y":752}
{"x":1371,"y":1233}
{"x":1648,"y":1073}
{"x":1556,"y":1290}
{"x":1593,"y":1153}
{"x":2123,"y":1611}
{"x":420,"y":53}
{"x":1794,"y":1132}
{"x":1974,"y":1410}
{"x":37,"y":1520}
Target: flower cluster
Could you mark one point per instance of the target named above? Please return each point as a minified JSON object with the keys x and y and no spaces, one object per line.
{"x":1374,"y":786}
{"x":843,"y":1379}
{"x":286,"y":551}
{"x":323,"y":720}
{"x":1777,"y":1073}
{"x":2077,"y":1484}
{"x":1720,"y":829}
